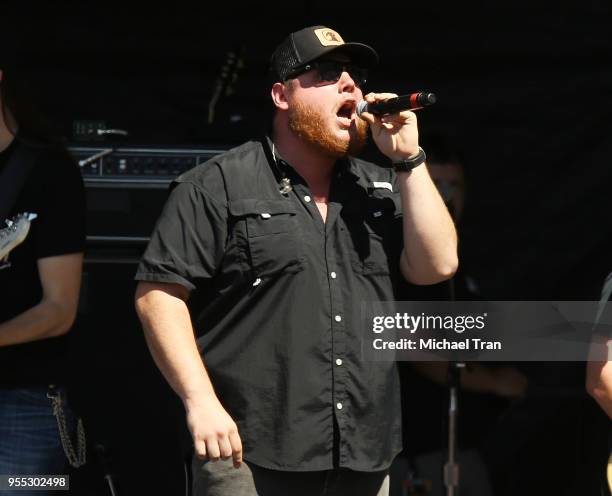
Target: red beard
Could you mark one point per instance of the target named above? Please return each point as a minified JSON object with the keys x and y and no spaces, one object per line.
{"x":310,"y":126}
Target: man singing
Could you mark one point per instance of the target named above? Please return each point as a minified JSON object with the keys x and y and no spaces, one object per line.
{"x":265,"y":253}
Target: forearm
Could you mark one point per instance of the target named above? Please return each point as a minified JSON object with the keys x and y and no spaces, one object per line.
{"x":169,"y":334}
{"x":60,"y":278}
{"x":45,"y":320}
{"x":430,"y":239}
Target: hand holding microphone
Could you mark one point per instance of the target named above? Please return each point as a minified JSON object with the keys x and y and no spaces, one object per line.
{"x":393,"y":129}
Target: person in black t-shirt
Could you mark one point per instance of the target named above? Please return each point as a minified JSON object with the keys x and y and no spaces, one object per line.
{"x":39,"y":286}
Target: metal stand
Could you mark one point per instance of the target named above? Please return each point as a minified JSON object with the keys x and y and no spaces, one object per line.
{"x":100,"y":450}
{"x":451,"y":467}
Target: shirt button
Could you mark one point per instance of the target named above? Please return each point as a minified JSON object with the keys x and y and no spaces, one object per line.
{"x":338,"y":361}
{"x":333,"y":275}
{"x":337,"y":318}
{"x":339,"y":406}
{"x":307,"y":199}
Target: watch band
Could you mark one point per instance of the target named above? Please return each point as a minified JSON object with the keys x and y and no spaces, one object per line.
{"x":407,"y":164}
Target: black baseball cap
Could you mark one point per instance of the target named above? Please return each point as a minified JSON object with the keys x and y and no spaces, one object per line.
{"x":308,"y":44}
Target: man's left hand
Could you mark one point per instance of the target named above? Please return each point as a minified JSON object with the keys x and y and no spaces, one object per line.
{"x":396,"y":135}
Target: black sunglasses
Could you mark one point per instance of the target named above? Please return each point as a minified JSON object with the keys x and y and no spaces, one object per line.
{"x":330,"y":71}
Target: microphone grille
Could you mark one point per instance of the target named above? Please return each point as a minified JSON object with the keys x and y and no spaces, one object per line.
{"x":362,"y":106}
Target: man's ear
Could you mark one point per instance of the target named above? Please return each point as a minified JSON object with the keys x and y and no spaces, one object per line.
{"x":279,"y":96}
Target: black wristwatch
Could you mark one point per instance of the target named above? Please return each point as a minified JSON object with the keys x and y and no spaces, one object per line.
{"x":407,"y":164}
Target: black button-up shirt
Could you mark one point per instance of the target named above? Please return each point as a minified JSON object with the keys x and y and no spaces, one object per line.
{"x":276,"y":303}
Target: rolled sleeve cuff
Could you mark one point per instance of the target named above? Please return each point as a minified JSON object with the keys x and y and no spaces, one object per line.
{"x":164,"y":278}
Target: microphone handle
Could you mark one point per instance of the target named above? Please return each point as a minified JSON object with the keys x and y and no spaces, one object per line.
{"x":393,"y":106}
{"x":413,"y":101}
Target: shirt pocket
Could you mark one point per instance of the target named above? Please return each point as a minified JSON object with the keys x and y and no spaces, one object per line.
{"x":271,"y":234}
{"x":376,"y":234}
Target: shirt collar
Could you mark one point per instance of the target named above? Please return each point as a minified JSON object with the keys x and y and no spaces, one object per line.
{"x":345,"y":167}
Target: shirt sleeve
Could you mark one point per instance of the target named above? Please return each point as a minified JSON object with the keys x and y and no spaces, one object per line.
{"x":59,"y":227}
{"x":188,"y":242}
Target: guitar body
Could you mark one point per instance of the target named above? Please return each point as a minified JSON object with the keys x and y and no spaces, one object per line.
{"x":13,"y":235}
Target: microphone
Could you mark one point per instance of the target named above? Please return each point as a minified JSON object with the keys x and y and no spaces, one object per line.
{"x":413,"y":101}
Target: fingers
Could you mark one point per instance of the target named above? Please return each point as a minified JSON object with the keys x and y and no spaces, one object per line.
{"x":391,"y":122}
{"x":236,"y":445}
{"x":368,"y":117}
{"x":200,"y":449}
{"x":221,"y":448}
{"x":373,"y":98}
{"x":225,"y":449}
{"x":214,"y":452}
{"x":379,"y":97}
{"x":398,"y":118}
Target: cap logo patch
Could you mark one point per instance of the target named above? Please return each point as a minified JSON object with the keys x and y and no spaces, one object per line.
{"x":328,"y":37}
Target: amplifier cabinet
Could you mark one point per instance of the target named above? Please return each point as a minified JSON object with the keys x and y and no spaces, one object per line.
{"x":126,"y":189}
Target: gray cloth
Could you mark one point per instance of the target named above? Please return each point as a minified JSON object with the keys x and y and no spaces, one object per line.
{"x":220,"y":478}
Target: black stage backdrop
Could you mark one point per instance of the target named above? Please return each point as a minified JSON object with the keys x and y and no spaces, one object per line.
{"x":525,"y":95}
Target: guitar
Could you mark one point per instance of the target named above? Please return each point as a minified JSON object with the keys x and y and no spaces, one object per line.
{"x":14,"y":234}
{"x":224,"y":86}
